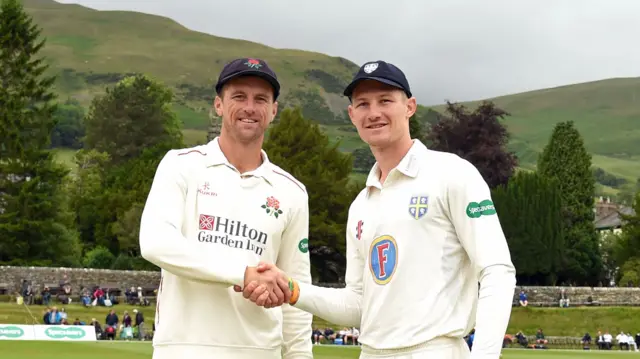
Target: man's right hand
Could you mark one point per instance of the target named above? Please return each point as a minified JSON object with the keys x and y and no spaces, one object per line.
{"x":266,"y":285}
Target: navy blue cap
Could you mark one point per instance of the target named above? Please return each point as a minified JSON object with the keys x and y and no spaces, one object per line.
{"x":248,"y":67}
{"x":382,"y":72}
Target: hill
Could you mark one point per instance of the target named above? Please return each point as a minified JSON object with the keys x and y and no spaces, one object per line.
{"x":92,"y":49}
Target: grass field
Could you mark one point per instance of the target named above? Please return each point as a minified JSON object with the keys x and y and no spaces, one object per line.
{"x":137,"y":350}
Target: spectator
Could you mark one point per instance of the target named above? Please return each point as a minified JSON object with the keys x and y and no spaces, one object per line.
{"x":77,"y":322}
{"x":622,"y":341}
{"x":85,"y":296}
{"x":27,"y":294}
{"x":522,"y":339}
{"x":608,"y":339}
{"x":55,"y":317}
{"x":523,"y":299}
{"x":586,"y":341}
{"x":329,"y":334}
{"x":632,"y":342}
{"x":98,"y":297}
{"x":127,"y":330}
{"x":316,"y":335}
{"x":637,"y":340}
{"x":98,"y":328}
{"x":46,"y":318}
{"x":139,"y":324}
{"x":65,"y":290}
{"x":46,"y":296}
{"x":540,"y":339}
{"x":563,"y":299}
{"x":112,"y":320}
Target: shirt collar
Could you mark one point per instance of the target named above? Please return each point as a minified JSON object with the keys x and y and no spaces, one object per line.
{"x":216,"y":158}
{"x":409,"y":165}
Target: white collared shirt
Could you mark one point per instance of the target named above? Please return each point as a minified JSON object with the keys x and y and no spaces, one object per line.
{"x":203,"y":224}
{"x":417,"y":246}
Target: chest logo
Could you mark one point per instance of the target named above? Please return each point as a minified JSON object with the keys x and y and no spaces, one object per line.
{"x":272,"y":207}
{"x":418,"y":206}
{"x":383,"y":259}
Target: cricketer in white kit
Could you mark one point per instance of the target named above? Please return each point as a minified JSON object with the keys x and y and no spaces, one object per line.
{"x":211,"y":216}
{"x":420,"y":238}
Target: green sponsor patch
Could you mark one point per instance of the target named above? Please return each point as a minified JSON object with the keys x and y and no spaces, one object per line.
{"x":477,"y":210}
{"x":11,"y":332}
{"x":61,"y":333}
{"x":303,"y":246}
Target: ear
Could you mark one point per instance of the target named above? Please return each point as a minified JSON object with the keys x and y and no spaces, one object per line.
{"x":412,"y":107}
{"x":274,"y":111}
{"x":350,"y":112}
{"x":217,"y":104}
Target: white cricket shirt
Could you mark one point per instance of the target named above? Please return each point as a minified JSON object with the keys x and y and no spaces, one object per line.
{"x":203,"y":224}
{"x":417,"y":246}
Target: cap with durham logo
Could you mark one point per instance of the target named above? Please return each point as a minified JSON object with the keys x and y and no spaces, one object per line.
{"x":248,"y":67}
{"x":382,"y":72}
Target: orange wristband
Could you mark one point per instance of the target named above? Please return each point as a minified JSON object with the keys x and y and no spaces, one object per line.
{"x":295,"y":291}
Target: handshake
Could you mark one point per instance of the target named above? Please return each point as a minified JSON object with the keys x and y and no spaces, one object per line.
{"x":268,"y":286}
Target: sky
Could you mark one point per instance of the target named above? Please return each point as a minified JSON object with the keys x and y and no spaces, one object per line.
{"x":449,"y":49}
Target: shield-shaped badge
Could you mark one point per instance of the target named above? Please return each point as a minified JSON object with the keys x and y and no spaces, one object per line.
{"x":418,"y":206}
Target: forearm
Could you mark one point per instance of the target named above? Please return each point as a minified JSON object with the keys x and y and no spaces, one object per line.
{"x":338,"y":306}
{"x":497,"y":284}
{"x":169,"y":250}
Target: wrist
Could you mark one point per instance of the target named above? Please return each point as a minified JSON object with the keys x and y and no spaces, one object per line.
{"x":295,"y":291}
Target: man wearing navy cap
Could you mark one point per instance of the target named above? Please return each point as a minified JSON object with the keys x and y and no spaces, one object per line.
{"x":213,"y":213}
{"x":420,"y":237}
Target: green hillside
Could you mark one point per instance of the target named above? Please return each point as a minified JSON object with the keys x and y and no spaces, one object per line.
{"x":92,"y":49}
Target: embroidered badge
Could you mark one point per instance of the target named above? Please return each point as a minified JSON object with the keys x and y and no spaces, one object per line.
{"x":272,"y":207}
{"x":253,"y":63}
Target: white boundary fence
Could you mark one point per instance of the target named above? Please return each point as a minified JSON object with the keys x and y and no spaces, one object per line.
{"x":85,"y":333}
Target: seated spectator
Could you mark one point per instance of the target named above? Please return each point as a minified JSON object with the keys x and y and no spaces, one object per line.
{"x":98,"y":297}
{"x":563,"y":299}
{"x":316,"y":335}
{"x":63,"y":314}
{"x":77,"y":322}
{"x":46,"y":318}
{"x":506,"y":340}
{"x":540,"y":337}
{"x":46,"y":296}
{"x":355,"y":334}
{"x":622,"y":341}
{"x":608,"y":339}
{"x":522,"y":339}
{"x":586,"y":341}
{"x":329,"y":334}
{"x":632,"y":342}
{"x":85,"y":297}
{"x":65,"y":290}
{"x":523,"y":299}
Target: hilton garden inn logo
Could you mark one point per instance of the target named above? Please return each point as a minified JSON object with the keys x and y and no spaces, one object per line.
{"x":231,"y":233}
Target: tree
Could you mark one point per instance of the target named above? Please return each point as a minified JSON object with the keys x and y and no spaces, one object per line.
{"x":128,"y":131}
{"x":299,"y":146}
{"x":69,"y":128}
{"x":566,"y":160}
{"x":415,"y":128}
{"x":530,"y":208}
{"x":132,"y":116}
{"x":34,"y":221}
{"x":478,"y":137}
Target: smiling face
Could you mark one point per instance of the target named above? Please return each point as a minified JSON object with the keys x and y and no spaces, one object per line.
{"x":247,"y":107}
{"x":381,"y":113}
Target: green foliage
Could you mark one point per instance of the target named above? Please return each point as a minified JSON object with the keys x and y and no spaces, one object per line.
{"x":530,"y":210}
{"x":99,"y":257}
{"x":69,"y":129}
{"x":363,"y":160}
{"x":603,"y":177}
{"x":298,"y":146}
{"x":415,"y":128}
{"x":566,"y":160}
{"x":34,"y":221}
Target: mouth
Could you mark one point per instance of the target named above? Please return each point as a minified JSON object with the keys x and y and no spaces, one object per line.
{"x":248,"y":120}
{"x":376,"y":126}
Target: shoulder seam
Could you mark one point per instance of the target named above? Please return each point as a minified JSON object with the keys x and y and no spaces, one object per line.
{"x":290,"y":179}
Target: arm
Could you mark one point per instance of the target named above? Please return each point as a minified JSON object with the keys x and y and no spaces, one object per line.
{"x":338,"y":306}
{"x":162,"y":242}
{"x":481,"y":235}
{"x":293,"y":259}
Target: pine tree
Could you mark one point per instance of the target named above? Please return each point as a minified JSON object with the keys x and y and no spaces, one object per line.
{"x":415,"y":128}
{"x":566,"y":160}
{"x":530,"y":210}
{"x":299,"y":146}
{"x":34,"y":225}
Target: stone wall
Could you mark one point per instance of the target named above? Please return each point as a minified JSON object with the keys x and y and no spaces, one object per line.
{"x":580,"y":295}
{"x":12,"y":278}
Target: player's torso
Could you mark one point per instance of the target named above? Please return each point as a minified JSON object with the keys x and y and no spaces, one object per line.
{"x":411,"y":251}
{"x":245,"y":213}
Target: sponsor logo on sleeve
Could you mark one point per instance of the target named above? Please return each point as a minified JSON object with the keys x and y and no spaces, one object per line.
{"x":479,"y":209}
{"x":303,"y":246}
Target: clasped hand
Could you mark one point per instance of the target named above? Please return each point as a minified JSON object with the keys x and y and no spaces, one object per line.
{"x":265,"y":285}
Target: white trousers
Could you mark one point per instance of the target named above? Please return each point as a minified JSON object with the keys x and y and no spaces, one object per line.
{"x":440,"y":348}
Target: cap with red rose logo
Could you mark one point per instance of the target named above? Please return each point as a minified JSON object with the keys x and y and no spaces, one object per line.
{"x":248,"y":67}
{"x":380,"y":71}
